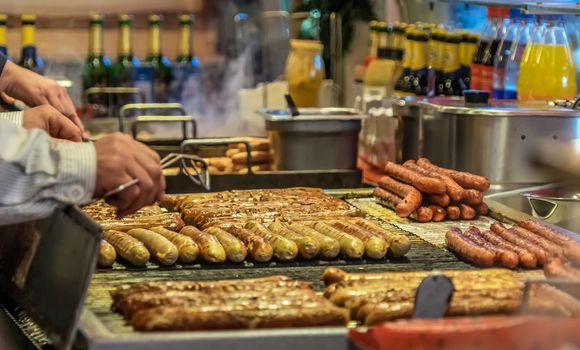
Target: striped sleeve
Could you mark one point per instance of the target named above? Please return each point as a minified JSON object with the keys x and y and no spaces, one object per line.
{"x":13,"y":117}
{"x":38,"y":175}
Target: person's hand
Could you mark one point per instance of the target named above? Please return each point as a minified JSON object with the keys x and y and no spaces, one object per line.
{"x":121,"y":159}
{"x":52,"y":121}
{"x":35,"y":90}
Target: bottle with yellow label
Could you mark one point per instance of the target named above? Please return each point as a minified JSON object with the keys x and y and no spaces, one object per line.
{"x":379,"y":73}
{"x":402,"y":86}
{"x":29,"y":58}
{"x":467,"y":49}
{"x":451,"y":83}
{"x":305,"y":71}
{"x":419,"y":76}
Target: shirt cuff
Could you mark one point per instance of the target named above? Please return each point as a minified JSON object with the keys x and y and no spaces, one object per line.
{"x":77,"y":172}
{"x":13,"y":117}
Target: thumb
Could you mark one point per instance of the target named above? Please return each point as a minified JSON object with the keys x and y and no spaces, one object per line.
{"x":63,"y":128}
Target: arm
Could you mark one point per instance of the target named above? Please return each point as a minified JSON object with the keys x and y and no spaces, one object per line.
{"x":38,"y":175}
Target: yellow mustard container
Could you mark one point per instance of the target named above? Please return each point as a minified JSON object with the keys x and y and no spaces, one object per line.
{"x":305,"y":71}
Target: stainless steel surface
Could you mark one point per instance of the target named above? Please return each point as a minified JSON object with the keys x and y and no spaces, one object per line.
{"x":188,"y":145}
{"x":46,"y":268}
{"x":495,"y":141}
{"x":318,"y":139}
{"x":409,"y":133}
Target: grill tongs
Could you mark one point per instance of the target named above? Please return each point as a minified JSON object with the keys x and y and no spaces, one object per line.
{"x":192,"y":166}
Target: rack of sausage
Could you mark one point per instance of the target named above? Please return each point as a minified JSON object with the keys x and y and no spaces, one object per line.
{"x":269,"y":302}
{"x":423,"y":191}
{"x":373,"y":298}
{"x":529,"y":244}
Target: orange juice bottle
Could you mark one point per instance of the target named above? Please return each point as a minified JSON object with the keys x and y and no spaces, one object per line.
{"x":529,"y":64}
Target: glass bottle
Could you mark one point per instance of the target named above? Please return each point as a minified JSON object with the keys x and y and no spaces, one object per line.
{"x":466,"y":52}
{"x":529,"y":63}
{"x":419,"y":76}
{"x":121,"y":70}
{"x":29,"y":58}
{"x":305,"y":71}
{"x":486,"y":39}
{"x":97,"y":65}
{"x":3,"y":45}
{"x":451,"y":83}
{"x":512,"y":69}
{"x":507,"y":35}
{"x":160,"y":63}
{"x":490,"y":51}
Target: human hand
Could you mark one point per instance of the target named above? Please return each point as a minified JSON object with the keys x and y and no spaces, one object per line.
{"x":121,"y":159}
{"x":52,"y":121}
{"x":35,"y":90}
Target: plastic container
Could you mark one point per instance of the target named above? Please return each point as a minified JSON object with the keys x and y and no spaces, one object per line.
{"x":508,"y":35}
{"x":485,"y":41}
{"x":512,"y":69}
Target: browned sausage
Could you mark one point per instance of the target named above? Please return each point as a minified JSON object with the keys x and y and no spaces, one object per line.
{"x":423,"y":214}
{"x":464,"y":179}
{"x":481,"y":209}
{"x":467,"y":212}
{"x":556,"y":268}
{"x":525,"y":258}
{"x":514,"y":238}
{"x":423,"y":183}
{"x":439,"y":213}
{"x":456,"y":241}
{"x":550,"y":247}
{"x":375,"y":246}
{"x":411,"y":197}
{"x":259,"y":249}
{"x":452,"y":189}
{"x":504,"y":257}
{"x":453,"y":212}
{"x":442,"y":200}
{"x":398,"y":244}
{"x":572,"y":252}
{"x":389,"y":197}
{"x":545,"y":231}
{"x":472,"y":197}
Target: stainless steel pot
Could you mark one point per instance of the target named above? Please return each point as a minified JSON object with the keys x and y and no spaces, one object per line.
{"x":317,"y":139}
{"x":409,"y":134}
{"x":558,"y":206}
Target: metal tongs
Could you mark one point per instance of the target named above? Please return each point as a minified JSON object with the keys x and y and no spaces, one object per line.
{"x":192,"y":166}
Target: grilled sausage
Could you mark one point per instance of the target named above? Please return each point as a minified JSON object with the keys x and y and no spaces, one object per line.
{"x":503,"y":257}
{"x":481,"y":209}
{"x":129,"y":248}
{"x":467,"y":212}
{"x":171,"y":221}
{"x":107,"y":254}
{"x":235,"y":250}
{"x":390,"y":198}
{"x":398,"y":244}
{"x":259,"y":249}
{"x":307,"y":246}
{"x":510,"y":236}
{"x":329,"y":247}
{"x":351,"y":247}
{"x":375,"y":246}
{"x":209,"y":246}
{"x":442,"y":200}
{"x":550,"y":247}
{"x":439,"y":213}
{"x":452,"y":189}
{"x":423,"y":183}
{"x":464,"y":179}
{"x":453,"y":212}
{"x":526,"y":259}
{"x":472,"y":197}
{"x":161,"y":248}
{"x":284,"y":249}
{"x":257,"y":157}
{"x":423,"y":214}
{"x":411,"y":197}
{"x":456,"y":241}
{"x":556,"y":268}
{"x":545,"y":231}
{"x":572,"y":252}
{"x":187,"y":248}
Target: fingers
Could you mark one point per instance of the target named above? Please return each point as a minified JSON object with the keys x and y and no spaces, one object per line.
{"x":147,"y":171}
{"x":65,"y":129}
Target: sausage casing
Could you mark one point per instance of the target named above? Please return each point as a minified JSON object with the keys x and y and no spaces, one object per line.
{"x":525,"y":258}
{"x":572,"y":253}
{"x":472,"y":197}
{"x":129,"y":248}
{"x":467,"y":212}
{"x":422,"y":214}
{"x":545,"y":231}
{"x":209,"y":246}
{"x":284,"y":249}
{"x":439,"y":213}
{"x":398,"y":244}
{"x":329,"y":247}
{"x":442,"y":200}
{"x":186,"y":246}
{"x":453,"y":212}
{"x":259,"y":249}
{"x":421,"y":182}
{"x":107,"y":254}
{"x":307,"y":246}
{"x":456,"y":241}
{"x":452,"y":188}
{"x":235,"y":249}
{"x":464,"y":179}
{"x":411,"y":197}
{"x":504,"y":257}
{"x":350,"y":246}
{"x":514,"y":238}
{"x":161,"y":248}
{"x":375,"y":246}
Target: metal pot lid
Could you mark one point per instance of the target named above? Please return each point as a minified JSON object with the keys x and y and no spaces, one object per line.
{"x":498,"y":108}
{"x":311,"y":114}
{"x":556,"y":194}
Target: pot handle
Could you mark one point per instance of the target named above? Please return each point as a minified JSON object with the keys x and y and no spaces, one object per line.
{"x":543,"y":208}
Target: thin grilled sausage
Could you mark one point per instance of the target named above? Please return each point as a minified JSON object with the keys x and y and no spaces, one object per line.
{"x":107,"y":254}
{"x":526,"y":259}
{"x":503,"y":257}
{"x":456,"y":241}
{"x":387,"y":196}
{"x":307,"y":246}
{"x":545,"y":231}
{"x":423,"y":183}
{"x":350,"y":246}
{"x":472,"y":197}
{"x":284,"y":249}
{"x":375,"y":246}
{"x":453,"y":212}
{"x":329,"y":247}
{"x":481,"y":209}
{"x":259,"y":249}
{"x":411,"y":197}
{"x":439,"y":213}
{"x":209,"y":246}
{"x":464,"y":179}
{"x":572,"y":252}
{"x":235,"y":250}
{"x":556,"y":268}
{"x":550,"y":247}
{"x":441,"y":200}
{"x":467,"y":212}
{"x":129,"y":248}
{"x":452,"y":189}
{"x":398,"y":244}
{"x":423,"y":214}
{"x":188,"y":249}
{"x":514,"y":238}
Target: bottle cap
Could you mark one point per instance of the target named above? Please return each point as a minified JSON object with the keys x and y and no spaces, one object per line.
{"x":3,"y":19}
{"x":185,"y":19}
{"x":125,"y":20}
{"x":28,"y":19}
{"x":155,"y":20}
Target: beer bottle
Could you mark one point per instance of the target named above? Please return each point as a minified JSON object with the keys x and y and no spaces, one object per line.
{"x":402,"y":85}
{"x":122,"y":68}
{"x":29,"y":58}
{"x":97,"y":65}
{"x":3,"y":45}
{"x":160,"y":63}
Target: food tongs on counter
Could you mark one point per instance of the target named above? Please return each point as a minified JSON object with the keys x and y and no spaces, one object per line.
{"x":192,"y":166}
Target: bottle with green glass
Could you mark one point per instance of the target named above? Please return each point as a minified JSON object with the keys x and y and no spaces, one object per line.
{"x":185,"y":84}
{"x":97,"y":64}
{"x":160,"y":63}
{"x":29,"y":58}
{"x":121,"y":70}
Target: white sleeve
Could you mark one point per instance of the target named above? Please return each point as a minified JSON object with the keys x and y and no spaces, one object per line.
{"x":38,"y":174}
{"x":14,"y":117}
